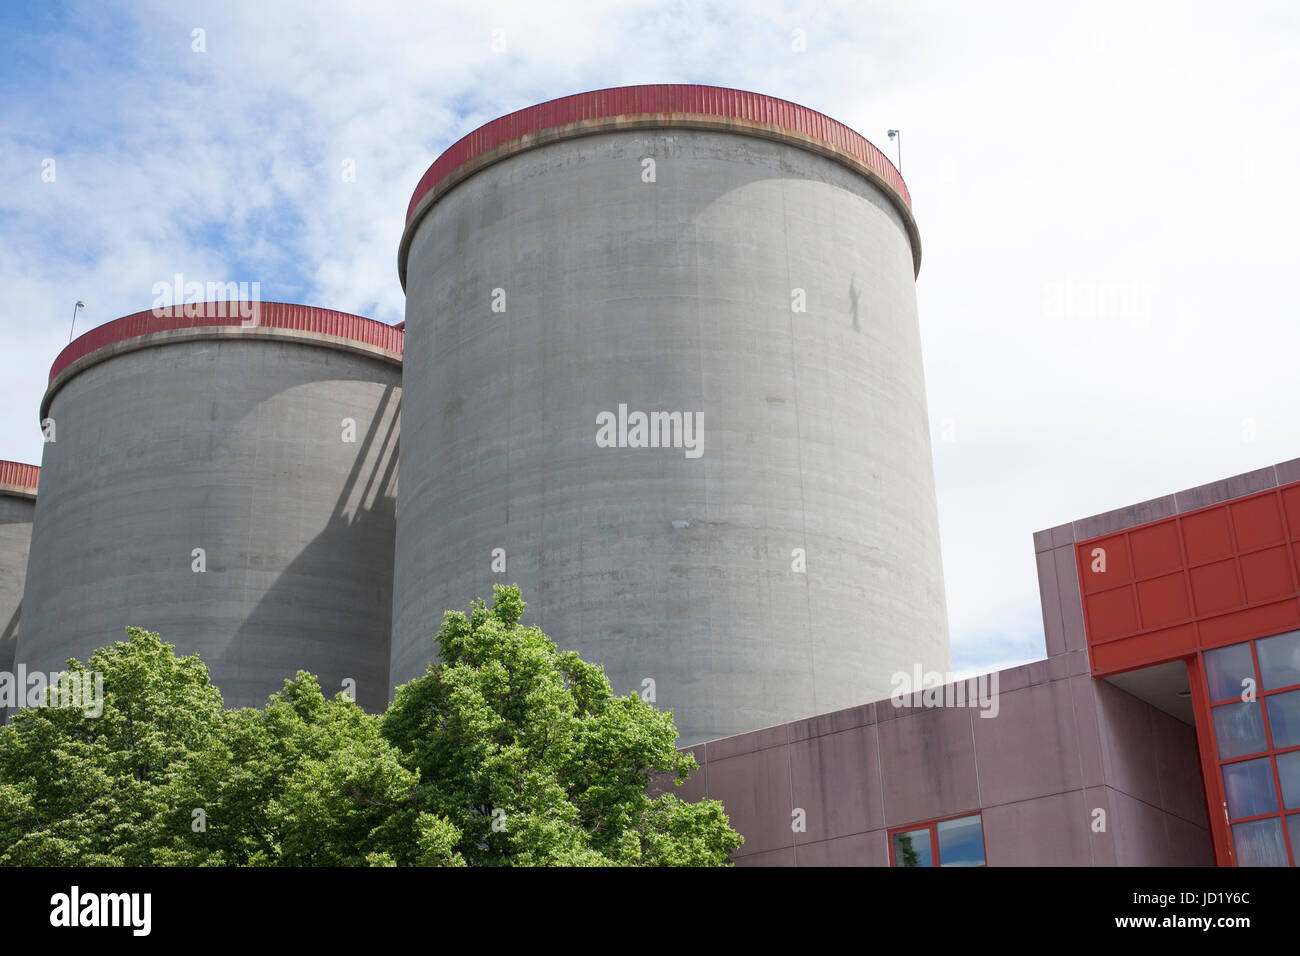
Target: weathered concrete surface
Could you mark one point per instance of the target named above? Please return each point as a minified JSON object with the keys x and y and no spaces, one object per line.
{"x":1059,"y":747}
{"x":675,"y":296}
{"x":15,"y":538}
{"x":233,"y":445}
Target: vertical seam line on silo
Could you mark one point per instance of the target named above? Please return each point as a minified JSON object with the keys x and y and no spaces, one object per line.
{"x":708,"y":524}
{"x":798,"y":437}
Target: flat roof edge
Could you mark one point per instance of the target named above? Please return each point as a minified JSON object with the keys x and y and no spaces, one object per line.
{"x":1166,"y":506}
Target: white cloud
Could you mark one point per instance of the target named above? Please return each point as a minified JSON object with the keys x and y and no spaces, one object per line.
{"x":1103,"y":192}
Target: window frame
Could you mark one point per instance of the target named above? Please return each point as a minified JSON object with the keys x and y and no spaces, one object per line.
{"x":933,"y":826}
{"x":1287,"y":818}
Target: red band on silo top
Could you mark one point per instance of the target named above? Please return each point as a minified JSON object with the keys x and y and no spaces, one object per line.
{"x":274,"y":315}
{"x":20,"y":475}
{"x":665,"y":99}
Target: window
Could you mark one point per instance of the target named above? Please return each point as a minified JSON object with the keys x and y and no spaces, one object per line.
{"x":1254,"y":691}
{"x":1279,"y":660}
{"x":953,"y":841}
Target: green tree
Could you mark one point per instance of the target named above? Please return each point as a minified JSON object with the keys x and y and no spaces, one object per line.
{"x":92,"y":790}
{"x":304,"y":782}
{"x":904,"y":851}
{"x":505,"y":752}
{"x":536,"y":761}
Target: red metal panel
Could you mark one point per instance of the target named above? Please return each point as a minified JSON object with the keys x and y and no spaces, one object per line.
{"x":1214,"y":587}
{"x":275,"y":315}
{"x":20,"y":474}
{"x":1291,"y":505}
{"x":665,"y":99}
{"x":1257,"y":523}
{"x":1207,"y":536}
{"x":1111,"y":613}
{"x":1218,"y":575}
{"x":1267,"y":575}
{"x":1149,"y":647}
{"x":1163,"y":600}
{"x":1244,"y":624}
{"x":1156,"y":550}
{"x":1108,"y":562}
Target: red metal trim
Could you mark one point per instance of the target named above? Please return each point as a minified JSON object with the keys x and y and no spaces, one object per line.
{"x":20,"y":475}
{"x":275,"y":315}
{"x":1243,"y":758}
{"x":663,"y":99}
{"x":1259,"y":691}
{"x":1215,"y":800}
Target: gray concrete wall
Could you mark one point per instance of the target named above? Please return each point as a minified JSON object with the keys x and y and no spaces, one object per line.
{"x":675,"y":296}
{"x":1060,"y":747}
{"x":234,"y":446}
{"x":15,"y":539}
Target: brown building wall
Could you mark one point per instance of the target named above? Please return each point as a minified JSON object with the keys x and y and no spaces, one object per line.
{"x":1060,"y":746}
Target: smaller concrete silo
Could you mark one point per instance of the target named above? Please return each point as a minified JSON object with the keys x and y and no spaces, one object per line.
{"x":224,"y":474}
{"x":17,"y":506}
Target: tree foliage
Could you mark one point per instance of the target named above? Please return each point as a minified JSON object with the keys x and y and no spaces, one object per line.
{"x":505,"y":752}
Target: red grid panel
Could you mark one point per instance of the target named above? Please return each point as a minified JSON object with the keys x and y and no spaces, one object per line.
{"x":1210,"y":577}
{"x":276,"y":315}
{"x":1163,"y":600}
{"x":665,"y":99}
{"x":21,"y":475}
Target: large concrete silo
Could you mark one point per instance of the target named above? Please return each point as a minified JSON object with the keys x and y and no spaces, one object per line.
{"x":228,"y":482}
{"x":18,"y":483}
{"x":687,"y":251}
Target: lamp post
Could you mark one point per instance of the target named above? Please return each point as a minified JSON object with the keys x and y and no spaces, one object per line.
{"x":79,"y":305}
{"x":895,"y":134}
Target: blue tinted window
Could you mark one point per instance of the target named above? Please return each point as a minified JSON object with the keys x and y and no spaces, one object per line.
{"x":961,"y":842}
{"x":1284,"y":719}
{"x":1226,"y":669}
{"x":1288,"y":772}
{"x":1239,"y":729}
{"x":1279,"y":660}
{"x":1250,"y":788}
{"x":1259,"y":843}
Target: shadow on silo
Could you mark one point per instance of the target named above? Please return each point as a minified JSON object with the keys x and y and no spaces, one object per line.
{"x":8,"y":644}
{"x":355,"y":606}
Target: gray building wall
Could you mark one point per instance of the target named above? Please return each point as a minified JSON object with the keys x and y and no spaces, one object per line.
{"x":675,"y":296}
{"x":232,"y":444}
{"x":15,"y":538}
{"x":1061,"y":747}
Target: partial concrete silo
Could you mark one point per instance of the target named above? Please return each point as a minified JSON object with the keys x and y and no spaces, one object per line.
{"x":17,"y":503}
{"x":589,"y":278}
{"x":224,"y":475}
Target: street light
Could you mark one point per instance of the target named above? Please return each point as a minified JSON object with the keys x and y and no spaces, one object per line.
{"x":79,"y":305}
{"x":895,"y":134}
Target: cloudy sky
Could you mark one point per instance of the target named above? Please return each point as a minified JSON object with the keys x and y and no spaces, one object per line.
{"x":1104,"y":192}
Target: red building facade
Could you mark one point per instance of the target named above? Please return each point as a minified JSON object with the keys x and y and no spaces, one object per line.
{"x":1216,"y":587}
